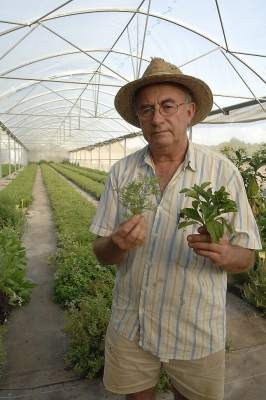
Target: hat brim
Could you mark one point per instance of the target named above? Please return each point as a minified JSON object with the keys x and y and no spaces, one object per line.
{"x":124,"y":99}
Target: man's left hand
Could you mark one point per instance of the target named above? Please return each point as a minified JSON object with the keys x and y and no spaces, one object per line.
{"x":233,"y":259}
{"x":203,"y":246}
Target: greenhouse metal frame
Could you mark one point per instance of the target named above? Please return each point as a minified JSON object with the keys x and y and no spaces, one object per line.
{"x":62,"y":63}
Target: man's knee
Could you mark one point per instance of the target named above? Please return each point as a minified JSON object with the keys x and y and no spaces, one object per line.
{"x":148,"y":394}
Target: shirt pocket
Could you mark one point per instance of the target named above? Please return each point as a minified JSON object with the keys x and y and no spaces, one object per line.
{"x":181,"y":253}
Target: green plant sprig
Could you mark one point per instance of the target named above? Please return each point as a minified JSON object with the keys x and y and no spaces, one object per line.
{"x":207,"y":209}
{"x":136,"y":195}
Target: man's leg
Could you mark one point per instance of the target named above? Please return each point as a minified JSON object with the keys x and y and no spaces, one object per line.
{"x":178,"y":395}
{"x":197,"y":379}
{"x":148,"y":394}
{"x":129,"y":369}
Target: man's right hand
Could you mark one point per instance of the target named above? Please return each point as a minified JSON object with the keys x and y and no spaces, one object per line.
{"x":127,"y":236}
{"x":130,"y":234}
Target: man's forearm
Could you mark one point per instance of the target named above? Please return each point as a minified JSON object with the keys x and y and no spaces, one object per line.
{"x":231,"y":258}
{"x":106,"y":251}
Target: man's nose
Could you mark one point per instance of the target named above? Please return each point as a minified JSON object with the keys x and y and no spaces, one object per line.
{"x":157,"y":116}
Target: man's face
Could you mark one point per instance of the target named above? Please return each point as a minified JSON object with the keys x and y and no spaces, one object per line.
{"x":168,"y":131}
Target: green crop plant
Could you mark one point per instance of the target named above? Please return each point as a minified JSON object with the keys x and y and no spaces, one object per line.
{"x":136,"y":195}
{"x":207,"y":208}
{"x":13,"y":263}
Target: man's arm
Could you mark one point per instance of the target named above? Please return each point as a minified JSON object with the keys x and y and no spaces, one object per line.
{"x":129,"y":235}
{"x":232,"y":259}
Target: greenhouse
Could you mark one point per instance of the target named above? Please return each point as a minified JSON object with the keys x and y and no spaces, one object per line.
{"x":62,"y":130}
{"x":63,"y":62}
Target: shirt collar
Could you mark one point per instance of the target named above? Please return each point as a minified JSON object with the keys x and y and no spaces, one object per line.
{"x":146,"y":157}
{"x":190,"y":158}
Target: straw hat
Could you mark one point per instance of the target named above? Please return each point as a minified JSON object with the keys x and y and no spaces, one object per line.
{"x":160,"y":71}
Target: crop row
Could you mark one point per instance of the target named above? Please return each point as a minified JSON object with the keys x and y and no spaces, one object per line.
{"x":5,"y":169}
{"x":95,"y":176}
{"x":21,"y":187}
{"x":81,"y":286}
{"x":89,"y":185}
{"x":15,"y":288}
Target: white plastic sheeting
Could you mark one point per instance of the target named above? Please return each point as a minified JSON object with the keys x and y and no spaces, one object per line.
{"x":62,"y":62}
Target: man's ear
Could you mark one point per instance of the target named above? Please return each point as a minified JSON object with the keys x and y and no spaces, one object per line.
{"x":191,"y":108}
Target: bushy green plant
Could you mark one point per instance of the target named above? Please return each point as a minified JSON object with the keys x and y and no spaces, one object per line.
{"x":5,"y":307}
{"x":136,"y":195}
{"x":207,"y":209}
{"x":10,"y":217}
{"x":86,"y":325}
{"x":81,"y":279}
{"x":255,"y":289}
{"x":164,"y":384}
{"x":82,"y":286}
{"x":13,"y":269}
{"x":251,"y":169}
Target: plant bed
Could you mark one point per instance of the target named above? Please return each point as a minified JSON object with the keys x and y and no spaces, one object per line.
{"x":15,"y":288}
{"x":81,"y":286}
{"x":89,"y":185}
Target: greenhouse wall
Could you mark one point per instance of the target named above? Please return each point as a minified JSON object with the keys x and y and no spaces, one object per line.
{"x":55,"y":156}
{"x":103,"y":156}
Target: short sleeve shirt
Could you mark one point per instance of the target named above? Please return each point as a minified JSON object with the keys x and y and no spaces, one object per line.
{"x":175,"y":297}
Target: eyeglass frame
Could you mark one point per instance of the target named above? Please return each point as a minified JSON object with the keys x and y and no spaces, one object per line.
{"x":159,"y":109}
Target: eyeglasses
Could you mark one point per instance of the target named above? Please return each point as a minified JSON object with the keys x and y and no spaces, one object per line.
{"x":166,"y":109}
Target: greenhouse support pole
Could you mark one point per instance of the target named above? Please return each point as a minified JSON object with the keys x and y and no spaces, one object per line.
{"x":9,"y":155}
{"x":190,"y":133}
{"x":110,"y":155}
{"x":19,"y":157}
{"x":15,"y":156}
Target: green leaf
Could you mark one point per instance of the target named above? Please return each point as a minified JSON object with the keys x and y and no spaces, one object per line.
{"x":230,"y":230}
{"x":215,"y":229}
{"x":195,"y":204}
{"x":186,"y":223}
{"x":191,"y":213}
{"x":253,"y":188}
{"x":190,"y":193}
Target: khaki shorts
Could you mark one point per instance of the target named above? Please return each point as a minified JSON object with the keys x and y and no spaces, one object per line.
{"x":129,"y":369}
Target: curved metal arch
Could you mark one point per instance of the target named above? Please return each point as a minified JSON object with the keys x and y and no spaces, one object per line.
{"x":61,"y":119}
{"x":151,"y":14}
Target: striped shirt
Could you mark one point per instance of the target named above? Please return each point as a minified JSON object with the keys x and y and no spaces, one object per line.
{"x":175,"y":297}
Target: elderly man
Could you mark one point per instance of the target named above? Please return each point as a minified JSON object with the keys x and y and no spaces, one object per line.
{"x":170,"y":290}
